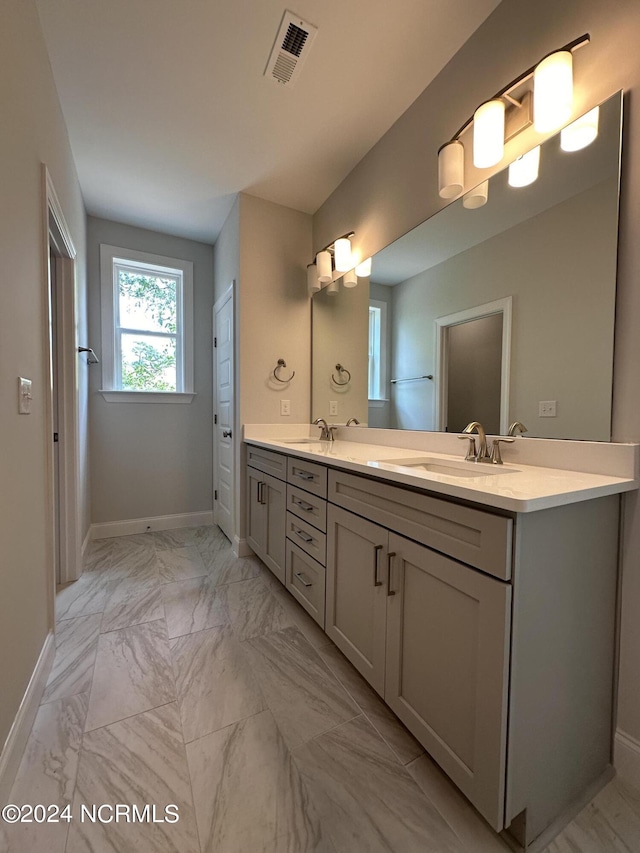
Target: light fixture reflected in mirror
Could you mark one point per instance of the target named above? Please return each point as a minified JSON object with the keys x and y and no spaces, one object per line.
{"x":477,"y":197}
{"x":333,"y":287}
{"x":581,"y":132}
{"x":553,"y":91}
{"x":524,"y":170}
{"x":350,"y":279}
{"x":363,"y":270}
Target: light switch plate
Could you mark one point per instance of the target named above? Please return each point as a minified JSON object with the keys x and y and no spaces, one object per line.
{"x":285,"y":407}
{"x":333,"y":407}
{"x":24,"y":396}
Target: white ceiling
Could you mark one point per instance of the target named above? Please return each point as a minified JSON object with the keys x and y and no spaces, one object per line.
{"x":169,"y":114}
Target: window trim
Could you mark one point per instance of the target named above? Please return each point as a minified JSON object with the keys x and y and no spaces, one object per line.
{"x":111,"y":255}
{"x":383,"y":377}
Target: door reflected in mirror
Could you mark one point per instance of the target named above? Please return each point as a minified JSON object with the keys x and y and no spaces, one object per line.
{"x":550,"y":248}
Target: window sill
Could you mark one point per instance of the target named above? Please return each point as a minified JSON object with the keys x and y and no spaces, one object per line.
{"x":183,"y":397}
{"x":377,"y":404}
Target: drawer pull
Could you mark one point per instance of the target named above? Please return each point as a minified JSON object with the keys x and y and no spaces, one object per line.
{"x":303,"y":505}
{"x":304,"y":536}
{"x":390,"y":557}
{"x":376,"y":554}
{"x":305,"y":475}
{"x":304,"y":582}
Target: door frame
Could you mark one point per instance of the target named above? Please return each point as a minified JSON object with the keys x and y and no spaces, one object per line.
{"x":229,"y":293}
{"x":499,"y":306}
{"x":56,"y":234}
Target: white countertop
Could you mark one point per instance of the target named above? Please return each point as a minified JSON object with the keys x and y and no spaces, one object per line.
{"x":515,"y":487}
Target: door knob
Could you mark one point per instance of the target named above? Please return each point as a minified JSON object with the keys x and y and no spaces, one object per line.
{"x":226,"y":433}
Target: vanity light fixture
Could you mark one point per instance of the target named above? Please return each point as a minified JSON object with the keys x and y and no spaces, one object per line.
{"x":363,"y":270}
{"x":342,"y":254}
{"x":505,"y":115}
{"x":330,"y":263}
{"x":524,"y":170}
{"x":350,"y":279}
{"x":313,"y":285}
{"x":333,"y":287}
{"x":581,"y":132}
{"x":323,"y":265}
{"x":477,"y":197}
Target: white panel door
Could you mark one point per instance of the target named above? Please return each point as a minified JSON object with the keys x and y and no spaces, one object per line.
{"x":223,"y":429}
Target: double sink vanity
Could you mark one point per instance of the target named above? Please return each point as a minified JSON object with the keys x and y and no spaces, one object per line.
{"x":478,"y":600}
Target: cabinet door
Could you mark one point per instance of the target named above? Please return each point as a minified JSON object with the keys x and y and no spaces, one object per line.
{"x":274,"y":497}
{"x":448,"y":629}
{"x":356,"y":591}
{"x":255,"y":512}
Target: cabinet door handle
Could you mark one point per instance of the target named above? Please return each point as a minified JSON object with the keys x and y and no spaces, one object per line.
{"x":226,"y":433}
{"x":300,"y":577}
{"x":390,"y":557}
{"x":376,"y":554}
{"x":304,"y":536}
{"x":259,"y":495}
{"x":304,"y":475}
{"x":303,"y":505}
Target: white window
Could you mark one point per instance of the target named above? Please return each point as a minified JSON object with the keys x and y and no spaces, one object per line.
{"x":377,"y":349}
{"x":147,"y":326}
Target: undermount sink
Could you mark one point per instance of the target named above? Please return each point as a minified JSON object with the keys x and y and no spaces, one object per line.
{"x":299,"y":441}
{"x":449,"y":467}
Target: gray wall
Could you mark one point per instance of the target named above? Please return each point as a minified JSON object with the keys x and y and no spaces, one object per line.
{"x":395,"y":187}
{"x":150,"y":459}
{"x":33,"y":132}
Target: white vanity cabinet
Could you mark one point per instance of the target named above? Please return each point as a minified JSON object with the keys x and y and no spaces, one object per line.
{"x":266,"y":508}
{"x":489,"y":632}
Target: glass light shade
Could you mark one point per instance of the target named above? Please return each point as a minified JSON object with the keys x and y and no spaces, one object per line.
{"x":323,"y":262}
{"x":332,"y":288}
{"x":553,"y":91}
{"x":581,"y":132}
{"x":450,"y":170}
{"x":350,"y":279}
{"x":477,"y":197}
{"x":488,"y":134}
{"x":313,"y":285}
{"x":363,"y":270}
{"x":342,"y":254}
{"x":524,"y":170}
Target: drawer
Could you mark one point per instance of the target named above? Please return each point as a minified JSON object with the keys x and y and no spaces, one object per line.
{"x":305,"y":580}
{"x":308,"y":475}
{"x":480,"y":539}
{"x":307,"y":537}
{"x":307,"y":506}
{"x":267,"y":461}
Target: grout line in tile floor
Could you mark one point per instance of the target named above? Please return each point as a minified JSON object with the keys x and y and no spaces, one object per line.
{"x":246,"y":762}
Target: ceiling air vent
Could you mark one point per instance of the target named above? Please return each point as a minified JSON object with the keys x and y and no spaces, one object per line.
{"x":290,"y":49}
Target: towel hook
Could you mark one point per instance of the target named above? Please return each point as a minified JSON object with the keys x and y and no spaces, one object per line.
{"x":341,"y":370}
{"x":282,"y":363}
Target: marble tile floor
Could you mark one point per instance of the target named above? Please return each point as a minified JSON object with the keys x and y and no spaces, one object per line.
{"x":188,"y":678}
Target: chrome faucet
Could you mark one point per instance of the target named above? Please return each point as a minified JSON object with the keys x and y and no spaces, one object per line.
{"x":353,"y":422}
{"x":481,"y":455}
{"x":326,"y":433}
{"x":516,"y":427}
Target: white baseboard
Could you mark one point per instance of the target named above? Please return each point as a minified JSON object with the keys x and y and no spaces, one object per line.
{"x":23,"y":722}
{"x":626,"y":758}
{"x":105,"y":530}
{"x":85,"y":544}
{"x":241,"y":548}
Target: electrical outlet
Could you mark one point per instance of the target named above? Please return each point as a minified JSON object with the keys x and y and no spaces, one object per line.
{"x":333,"y":407}
{"x":24,"y":396}
{"x":285,"y":407}
{"x":547,"y":409}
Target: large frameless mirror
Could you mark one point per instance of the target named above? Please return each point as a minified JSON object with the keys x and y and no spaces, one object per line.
{"x":497,"y":313}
